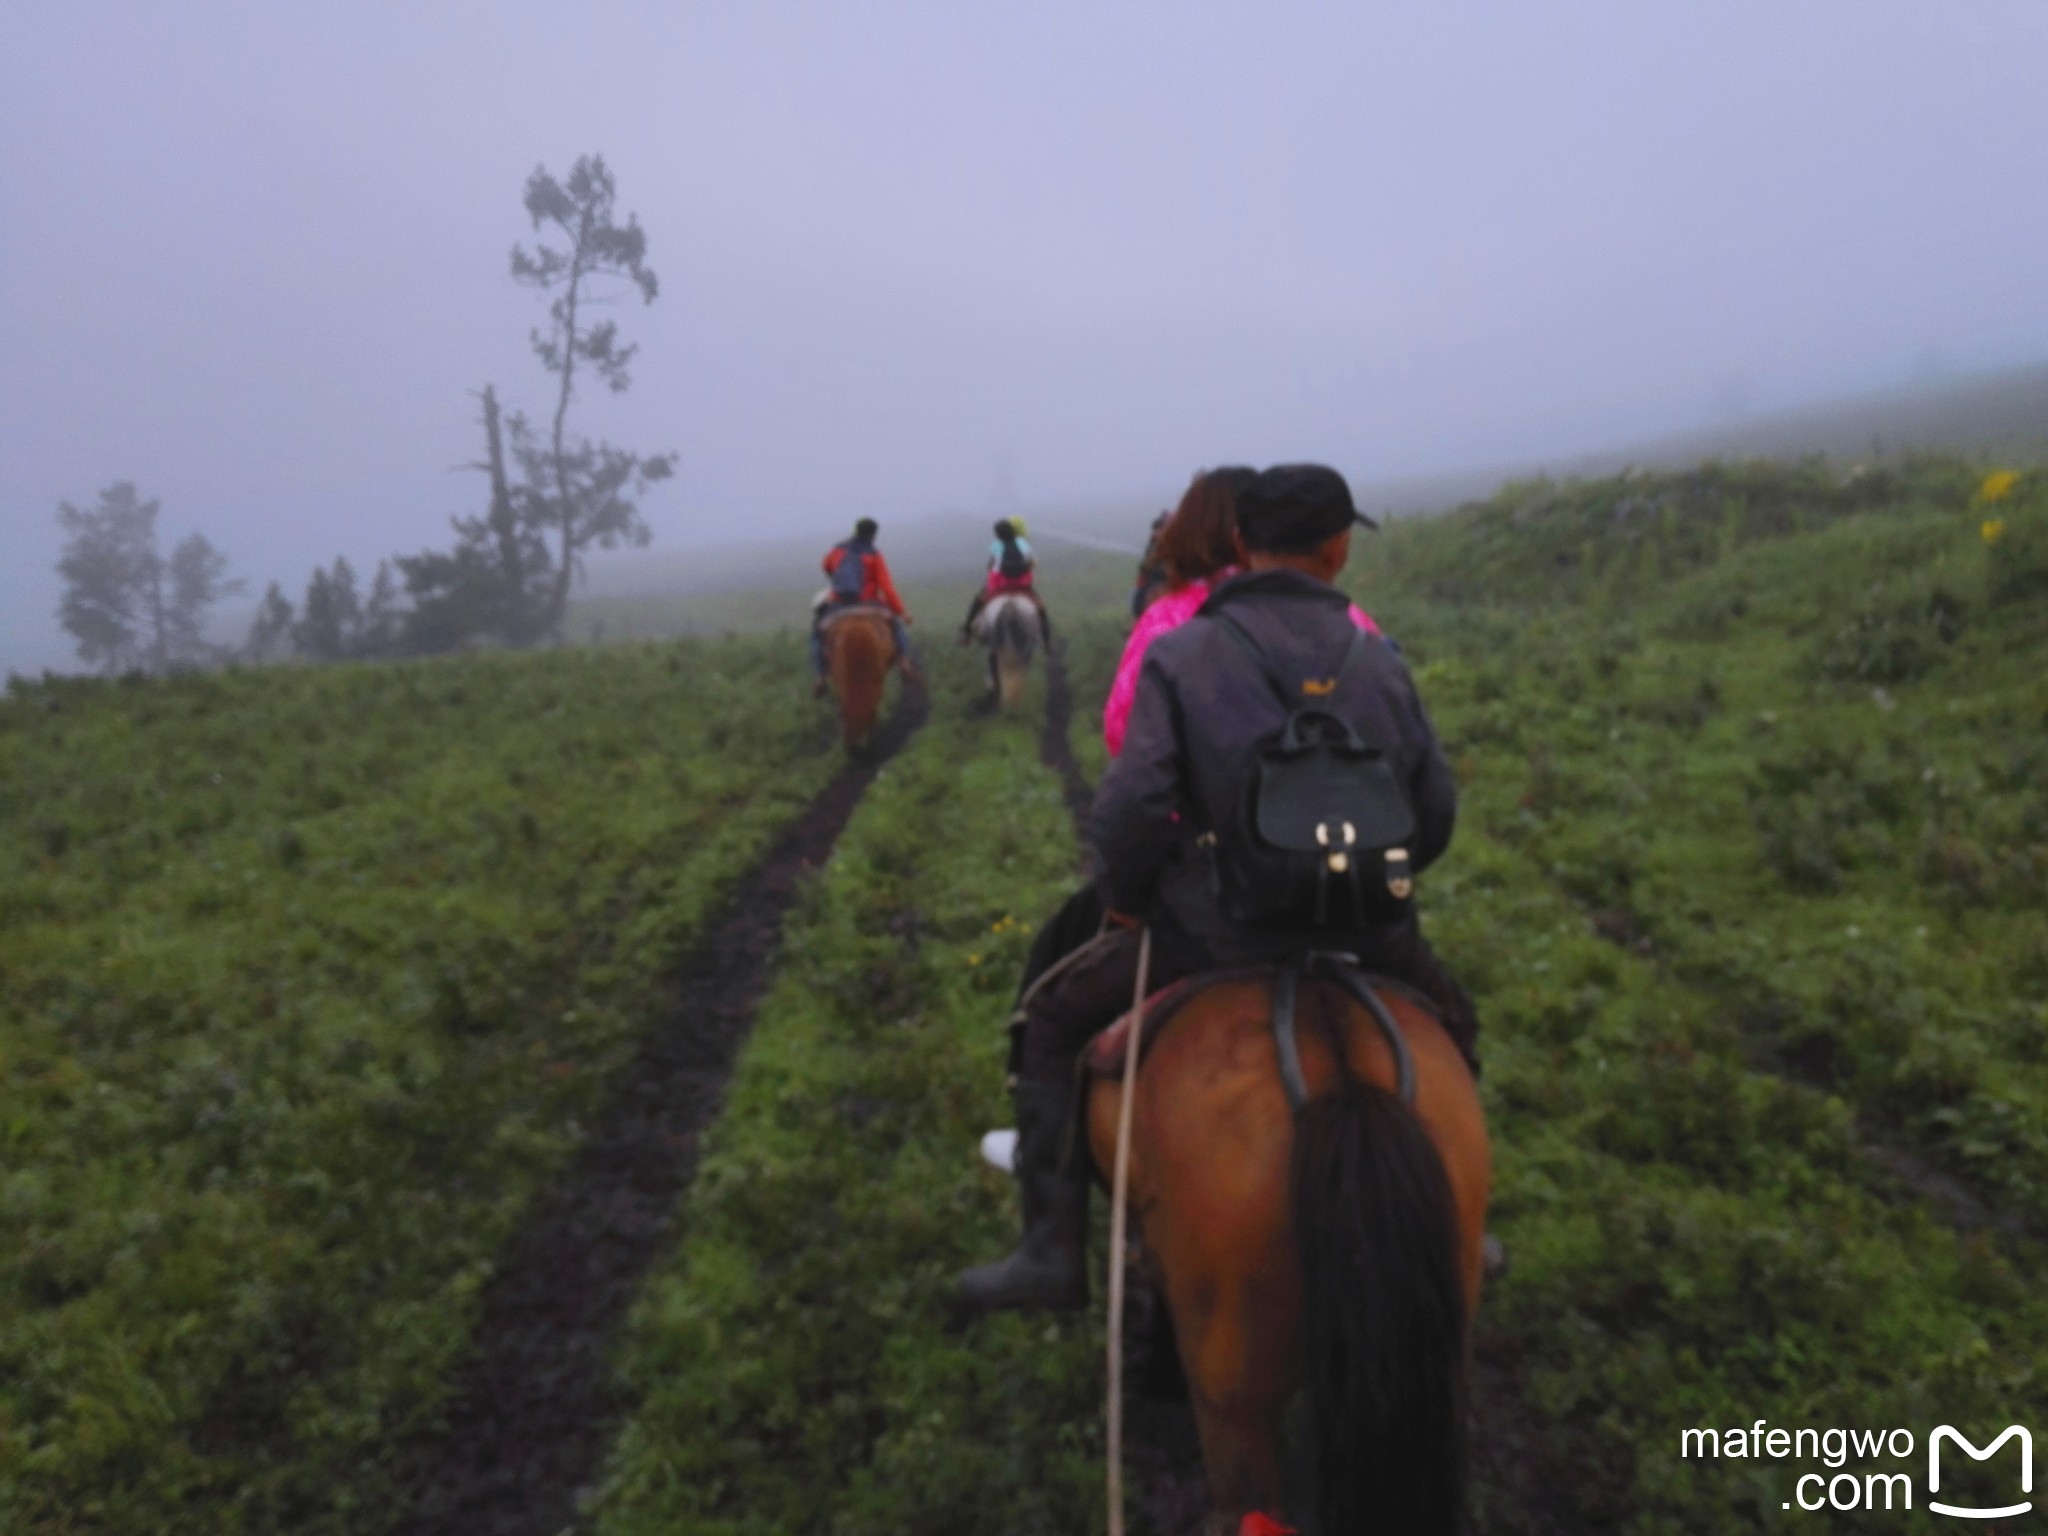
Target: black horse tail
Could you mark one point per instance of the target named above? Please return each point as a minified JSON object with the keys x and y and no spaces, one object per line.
{"x":1383,"y":1316}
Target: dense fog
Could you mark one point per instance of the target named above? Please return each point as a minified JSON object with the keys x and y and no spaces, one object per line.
{"x":254,"y":260}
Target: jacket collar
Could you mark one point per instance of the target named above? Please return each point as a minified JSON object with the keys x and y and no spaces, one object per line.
{"x":1292,"y":585}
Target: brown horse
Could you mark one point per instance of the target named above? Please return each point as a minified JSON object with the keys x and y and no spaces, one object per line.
{"x":860,"y":647}
{"x":1332,"y":1250}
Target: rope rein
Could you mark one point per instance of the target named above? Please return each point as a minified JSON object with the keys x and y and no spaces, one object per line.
{"x":1119,"y":1216}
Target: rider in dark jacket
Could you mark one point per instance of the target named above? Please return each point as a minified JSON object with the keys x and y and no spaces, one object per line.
{"x":1194,"y":735}
{"x":1203,"y":708}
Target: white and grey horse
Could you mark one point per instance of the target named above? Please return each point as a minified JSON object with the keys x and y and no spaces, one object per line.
{"x":1008,"y":626}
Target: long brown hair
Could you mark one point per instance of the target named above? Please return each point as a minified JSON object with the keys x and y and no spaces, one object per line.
{"x":1200,"y":538}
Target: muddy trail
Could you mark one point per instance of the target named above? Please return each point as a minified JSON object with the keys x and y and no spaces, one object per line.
{"x":1163,"y":1460}
{"x":533,"y":1409}
{"x":1055,"y":749}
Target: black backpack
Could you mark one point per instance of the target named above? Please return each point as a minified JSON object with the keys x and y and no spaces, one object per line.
{"x":1321,"y":833}
{"x":1015,"y":564}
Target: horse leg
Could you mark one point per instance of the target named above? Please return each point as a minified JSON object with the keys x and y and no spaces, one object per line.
{"x":1238,"y":1383}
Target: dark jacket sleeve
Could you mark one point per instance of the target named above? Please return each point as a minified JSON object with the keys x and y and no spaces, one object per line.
{"x":1431,"y":787}
{"x":1132,"y":824}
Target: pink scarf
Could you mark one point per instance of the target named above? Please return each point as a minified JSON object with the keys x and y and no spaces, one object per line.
{"x":1164,"y":616}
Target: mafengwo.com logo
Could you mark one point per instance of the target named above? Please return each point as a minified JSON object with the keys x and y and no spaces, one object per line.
{"x":1833,"y":1485}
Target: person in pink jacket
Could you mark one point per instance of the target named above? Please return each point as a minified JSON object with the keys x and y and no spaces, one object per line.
{"x":1199,"y":548}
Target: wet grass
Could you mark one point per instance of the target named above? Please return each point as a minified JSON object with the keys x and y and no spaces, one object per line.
{"x":307,"y":979}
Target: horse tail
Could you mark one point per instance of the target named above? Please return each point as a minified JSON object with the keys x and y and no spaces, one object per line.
{"x":1383,"y":1315}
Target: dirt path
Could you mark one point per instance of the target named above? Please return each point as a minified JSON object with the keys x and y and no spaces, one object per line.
{"x":1163,"y":1461}
{"x":1055,"y":750}
{"x":533,"y":1410}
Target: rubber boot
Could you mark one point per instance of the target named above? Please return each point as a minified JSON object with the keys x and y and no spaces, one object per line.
{"x":1049,"y":1267}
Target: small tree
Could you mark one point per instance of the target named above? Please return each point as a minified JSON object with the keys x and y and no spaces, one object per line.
{"x":109,"y":566}
{"x":331,"y":618}
{"x":382,"y":614}
{"x":270,"y":636}
{"x":579,"y":493}
{"x":198,"y":579}
{"x":124,"y":603}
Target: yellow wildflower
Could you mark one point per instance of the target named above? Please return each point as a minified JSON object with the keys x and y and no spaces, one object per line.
{"x":1998,"y":485}
{"x":1993,"y":529}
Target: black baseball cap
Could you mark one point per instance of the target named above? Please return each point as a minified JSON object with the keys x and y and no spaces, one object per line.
{"x":1293,"y":507}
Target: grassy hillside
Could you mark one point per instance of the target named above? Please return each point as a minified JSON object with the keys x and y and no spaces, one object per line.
{"x":306,"y":978}
{"x":2002,"y":416}
{"x":1752,"y":884}
{"x":308,"y":981}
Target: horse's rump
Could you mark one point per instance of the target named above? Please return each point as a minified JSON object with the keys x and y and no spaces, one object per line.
{"x":1105,"y":1053}
{"x":1209,"y":1086}
{"x":1009,"y":618}
{"x":1309,"y":1250}
{"x":860,"y":644}
{"x":1008,"y":625}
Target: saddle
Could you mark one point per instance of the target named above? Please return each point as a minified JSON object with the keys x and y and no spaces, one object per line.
{"x":1104,"y":1056}
{"x":1029,"y":601}
{"x":835,"y":613}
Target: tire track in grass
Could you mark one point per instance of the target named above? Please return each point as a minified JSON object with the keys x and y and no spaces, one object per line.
{"x":1898,"y":1170}
{"x":532,"y":1411}
{"x":1055,"y":745}
{"x":1164,"y":1457}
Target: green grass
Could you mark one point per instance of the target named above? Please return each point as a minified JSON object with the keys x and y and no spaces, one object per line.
{"x":305,"y":979}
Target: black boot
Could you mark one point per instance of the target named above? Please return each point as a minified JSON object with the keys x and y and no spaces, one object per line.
{"x":1049,"y":1268}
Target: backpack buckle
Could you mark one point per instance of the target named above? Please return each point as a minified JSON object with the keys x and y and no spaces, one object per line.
{"x":1400,"y":882}
{"x":1340,"y":860}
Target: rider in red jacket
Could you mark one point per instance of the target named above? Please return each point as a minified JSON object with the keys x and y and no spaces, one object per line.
{"x":858,"y":574}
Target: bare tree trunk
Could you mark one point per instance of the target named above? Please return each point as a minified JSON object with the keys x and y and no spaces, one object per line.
{"x":502,"y":520}
{"x":559,"y":605}
{"x":160,"y":645}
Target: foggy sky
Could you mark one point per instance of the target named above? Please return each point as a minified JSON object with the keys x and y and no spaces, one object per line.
{"x":253,"y":258}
